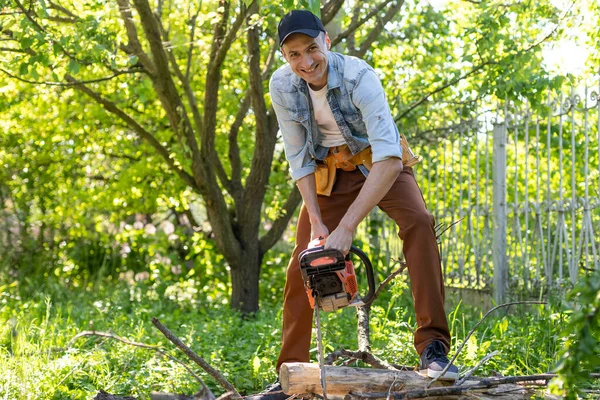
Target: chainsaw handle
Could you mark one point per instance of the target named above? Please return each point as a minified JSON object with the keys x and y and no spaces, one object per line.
{"x":370,"y":275}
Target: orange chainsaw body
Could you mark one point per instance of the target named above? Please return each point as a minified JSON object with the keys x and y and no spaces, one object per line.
{"x":328,"y":276}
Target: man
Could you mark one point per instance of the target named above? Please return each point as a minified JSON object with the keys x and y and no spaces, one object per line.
{"x":332,"y":110}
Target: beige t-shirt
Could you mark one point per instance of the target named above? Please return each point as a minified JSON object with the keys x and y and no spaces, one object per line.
{"x":329,"y":133}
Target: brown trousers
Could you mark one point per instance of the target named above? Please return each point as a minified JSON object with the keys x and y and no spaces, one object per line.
{"x":404,"y":204}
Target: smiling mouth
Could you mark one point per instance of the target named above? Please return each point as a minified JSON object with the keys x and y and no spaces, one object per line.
{"x":308,"y":71}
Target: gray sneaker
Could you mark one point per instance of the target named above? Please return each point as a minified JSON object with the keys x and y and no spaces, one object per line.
{"x":434,"y":360}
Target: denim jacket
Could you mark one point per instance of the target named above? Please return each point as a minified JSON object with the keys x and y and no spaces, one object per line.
{"x":358,"y":104}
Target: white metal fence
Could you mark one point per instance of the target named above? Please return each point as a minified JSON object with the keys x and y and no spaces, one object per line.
{"x":525,"y":186}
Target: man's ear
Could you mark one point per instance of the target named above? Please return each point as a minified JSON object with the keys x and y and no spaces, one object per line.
{"x":327,"y":41}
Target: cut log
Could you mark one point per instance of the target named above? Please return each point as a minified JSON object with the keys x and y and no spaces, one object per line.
{"x":370,"y":384}
{"x":297,"y":378}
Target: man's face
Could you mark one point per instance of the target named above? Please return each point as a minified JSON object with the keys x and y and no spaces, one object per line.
{"x":308,"y":57}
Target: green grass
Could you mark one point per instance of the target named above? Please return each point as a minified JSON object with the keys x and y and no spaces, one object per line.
{"x":39,"y":317}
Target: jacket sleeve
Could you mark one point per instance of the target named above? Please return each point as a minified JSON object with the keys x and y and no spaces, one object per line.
{"x":295,"y":142}
{"x":369,"y":97}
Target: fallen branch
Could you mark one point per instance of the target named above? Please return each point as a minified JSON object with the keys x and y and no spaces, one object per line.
{"x":479,"y":364}
{"x":206,"y":392}
{"x":448,"y":390}
{"x":473,"y":330}
{"x":197,"y":359}
{"x":363,"y":356}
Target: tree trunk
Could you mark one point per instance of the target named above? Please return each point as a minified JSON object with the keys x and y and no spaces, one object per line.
{"x":244,"y":281}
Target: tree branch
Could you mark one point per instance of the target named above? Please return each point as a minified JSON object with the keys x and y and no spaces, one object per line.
{"x":205,"y":388}
{"x":234,"y":149}
{"x":350,"y":40}
{"x":269,"y":239}
{"x":63,"y":20}
{"x":270,"y":61}
{"x":473,"y":330}
{"x":41,"y":29}
{"x":196,"y":358}
{"x":479,"y":67}
{"x":472,"y":370}
{"x":37,"y":26}
{"x":15,"y":50}
{"x":356,"y":23}
{"x":55,"y":6}
{"x":364,"y":356}
{"x":119,"y":156}
{"x":137,"y":128}
{"x":196,"y":115}
{"x":188,"y":65}
{"x":220,"y":46}
{"x":330,"y":9}
{"x":262,"y":158}
{"x":385,"y":282}
{"x":442,"y":88}
{"x":167,"y":92}
{"x":191,"y":97}
{"x":67,"y":83}
{"x":376,"y":31}
{"x":134,"y":47}
{"x":231,"y":34}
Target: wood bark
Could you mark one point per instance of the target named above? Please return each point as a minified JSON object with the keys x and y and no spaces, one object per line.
{"x":365,"y":384}
{"x":298,"y":378}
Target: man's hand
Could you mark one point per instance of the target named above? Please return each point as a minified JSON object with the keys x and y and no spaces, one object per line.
{"x":308,"y":190}
{"x":340,"y":239}
{"x":318,"y":230}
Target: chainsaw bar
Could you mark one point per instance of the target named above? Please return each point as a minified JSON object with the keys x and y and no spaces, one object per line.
{"x":320,"y":348}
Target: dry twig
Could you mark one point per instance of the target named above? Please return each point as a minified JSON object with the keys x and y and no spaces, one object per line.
{"x":473,"y":330}
{"x":479,"y":364}
{"x":363,"y":356}
{"x":205,"y":390}
{"x":197,"y":359}
{"x":386,"y":281}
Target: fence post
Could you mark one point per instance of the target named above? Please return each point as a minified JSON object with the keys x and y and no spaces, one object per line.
{"x":499,"y":210}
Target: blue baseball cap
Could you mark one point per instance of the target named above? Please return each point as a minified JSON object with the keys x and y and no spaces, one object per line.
{"x":299,"y":21}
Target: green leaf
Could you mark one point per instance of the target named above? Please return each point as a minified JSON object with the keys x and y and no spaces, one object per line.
{"x":56,"y":49}
{"x":44,"y":10}
{"x":74,"y":67}
{"x":256,"y":364}
{"x":315,"y":7}
{"x":24,"y":68}
{"x":26,"y":42}
{"x":133,"y":60}
{"x":34,"y":72}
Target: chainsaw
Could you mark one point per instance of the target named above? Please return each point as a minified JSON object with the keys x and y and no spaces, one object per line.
{"x":330,"y":283}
